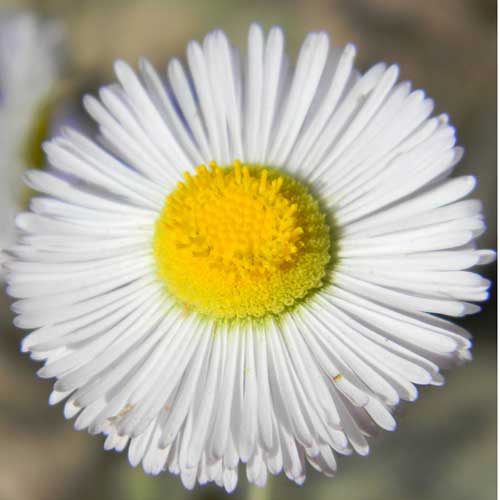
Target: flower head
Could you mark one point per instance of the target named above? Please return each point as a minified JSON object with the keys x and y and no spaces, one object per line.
{"x":246,"y":271}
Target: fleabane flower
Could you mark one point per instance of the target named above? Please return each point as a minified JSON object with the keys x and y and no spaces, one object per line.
{"x":30,"y":64}
{"x":247,"y":268}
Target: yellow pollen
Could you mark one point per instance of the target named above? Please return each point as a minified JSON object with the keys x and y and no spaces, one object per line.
{"x":240,"y":241}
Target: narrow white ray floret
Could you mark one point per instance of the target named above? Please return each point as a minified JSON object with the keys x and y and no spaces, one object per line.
{"x":246,"y":266}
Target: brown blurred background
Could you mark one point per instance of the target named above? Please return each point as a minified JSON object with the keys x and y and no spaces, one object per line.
{"x":445,"y":446}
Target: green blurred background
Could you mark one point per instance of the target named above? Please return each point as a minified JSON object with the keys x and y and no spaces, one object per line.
{"x":445,"y":446}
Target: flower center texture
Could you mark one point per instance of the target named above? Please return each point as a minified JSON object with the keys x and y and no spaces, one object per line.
{"x":240,"y":241}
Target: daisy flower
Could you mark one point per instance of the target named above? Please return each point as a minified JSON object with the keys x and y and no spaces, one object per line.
{"x":30,"y":60}
{"x":246,"y":267}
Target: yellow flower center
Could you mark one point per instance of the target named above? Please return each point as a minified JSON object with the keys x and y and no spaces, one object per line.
{"x":241,"y":241}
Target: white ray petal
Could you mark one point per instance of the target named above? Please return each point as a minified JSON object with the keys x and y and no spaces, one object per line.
{"x":366,"y":112}
{"x":337,"y":122}
{"x":148,"y":116}
{"x":310,"y":64}
{"x":190,"y":108}
{"x":444,"y":194}
{"x":162,"y":101}
{"x":204,"y":409}
{"x":253,"y":92}
{"x":247,"y":433}
{"x":131,"y":144}
{"x":221,"y":425}
{"x":37,"y":319}
{"x":201,"y":79}
{"x":312,"y":130}
{"x":184,"y":398}
{"x":404,"y":301}
{"x":274,"y":70}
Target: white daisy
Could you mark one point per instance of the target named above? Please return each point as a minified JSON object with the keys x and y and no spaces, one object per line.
{"x":246,"y":271}
{"x":30,"y":60}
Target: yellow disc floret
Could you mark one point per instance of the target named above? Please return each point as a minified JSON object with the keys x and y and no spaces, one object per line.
{"x":241,"y":241}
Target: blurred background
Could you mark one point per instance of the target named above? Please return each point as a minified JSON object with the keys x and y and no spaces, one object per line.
{"x":445,"y":446}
